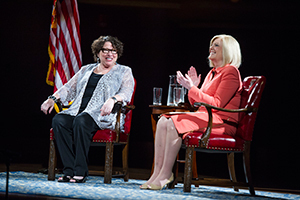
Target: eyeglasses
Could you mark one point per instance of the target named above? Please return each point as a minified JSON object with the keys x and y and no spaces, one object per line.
{"x":106,"y":51}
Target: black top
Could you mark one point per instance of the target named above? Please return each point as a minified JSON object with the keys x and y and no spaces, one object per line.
{"x":91,"y":85}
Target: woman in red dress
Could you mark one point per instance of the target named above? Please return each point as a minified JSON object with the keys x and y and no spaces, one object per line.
{"x":221,"y":87}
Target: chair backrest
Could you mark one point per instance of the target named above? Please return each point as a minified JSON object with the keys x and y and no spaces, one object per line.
{"x":253,"y":87}
{"x":128,"y":116}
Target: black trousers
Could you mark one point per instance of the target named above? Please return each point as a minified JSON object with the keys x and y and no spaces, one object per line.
{"x":73,"y":137}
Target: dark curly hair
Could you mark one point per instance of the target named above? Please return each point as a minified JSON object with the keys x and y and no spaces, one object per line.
{"x":98,"y":44}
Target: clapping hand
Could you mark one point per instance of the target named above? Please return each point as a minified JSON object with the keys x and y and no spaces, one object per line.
{"x":190,"y":79}
{"x":192,"y":73}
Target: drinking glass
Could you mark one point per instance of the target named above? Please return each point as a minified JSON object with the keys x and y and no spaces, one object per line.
{"x":157,"y":94}
{"x":177,"y":94}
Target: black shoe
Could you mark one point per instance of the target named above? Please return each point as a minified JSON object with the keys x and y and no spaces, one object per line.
{"x":74,"y":180}
{"x":64,"y":179}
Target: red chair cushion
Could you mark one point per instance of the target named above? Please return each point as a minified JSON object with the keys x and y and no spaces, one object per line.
{"x":51,"y":134}
{"x":107,"y":135}
{"x":215,"y":142}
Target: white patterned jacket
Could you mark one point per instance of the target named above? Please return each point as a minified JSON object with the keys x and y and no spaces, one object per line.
{"x":119,"y":80}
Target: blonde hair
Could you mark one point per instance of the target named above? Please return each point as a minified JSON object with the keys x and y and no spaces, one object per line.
{"x":231,"y":50}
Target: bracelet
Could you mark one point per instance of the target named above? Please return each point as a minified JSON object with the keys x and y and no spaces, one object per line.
{"x":115,"y":99}
{"x":53,"y":98}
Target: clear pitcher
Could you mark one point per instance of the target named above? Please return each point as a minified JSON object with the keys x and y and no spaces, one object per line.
{"x":174,"y":84}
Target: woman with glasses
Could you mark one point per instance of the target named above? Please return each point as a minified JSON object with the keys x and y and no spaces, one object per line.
{"x":221,"y":87}
{"x":94,"y":90}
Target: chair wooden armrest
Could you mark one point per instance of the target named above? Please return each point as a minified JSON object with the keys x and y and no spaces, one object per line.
{"x":248,"y":109}
{"x":206,"y":135}
{"x":120,"y":109}
{"x":129,"y":107}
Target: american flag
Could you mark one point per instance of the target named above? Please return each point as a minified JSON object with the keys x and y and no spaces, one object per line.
{"x":64,"y":43}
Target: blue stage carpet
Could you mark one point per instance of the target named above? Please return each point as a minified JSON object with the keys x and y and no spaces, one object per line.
{"x":94,"y":188}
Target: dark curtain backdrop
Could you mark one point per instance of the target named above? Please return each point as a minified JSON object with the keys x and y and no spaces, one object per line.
{"x":158,"y":42}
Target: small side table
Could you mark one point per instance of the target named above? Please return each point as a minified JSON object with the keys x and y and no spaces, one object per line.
{"x":157,"y":110}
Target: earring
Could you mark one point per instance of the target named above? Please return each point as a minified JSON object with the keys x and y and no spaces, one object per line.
{"x":98,"y":60}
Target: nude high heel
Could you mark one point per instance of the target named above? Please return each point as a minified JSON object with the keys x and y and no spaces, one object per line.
{"x":144,"y":186}
{"x":156,"y":187}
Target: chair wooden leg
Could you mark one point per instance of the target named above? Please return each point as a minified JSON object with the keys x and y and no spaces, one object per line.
{"x":187,"y":181}
{"x":125,"y":162}
{"x":231,"y":169}
{"x":52,"y":161}
{"x":194,"y":168}
{"x":108,"y":162}
{"x":195,"y":173}
{"x":176,"y":167}
{"x":247,"y":171}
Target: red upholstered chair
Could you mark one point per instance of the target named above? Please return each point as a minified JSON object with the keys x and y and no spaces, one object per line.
{"x":107,"y":138}
{"x":240,"y":143}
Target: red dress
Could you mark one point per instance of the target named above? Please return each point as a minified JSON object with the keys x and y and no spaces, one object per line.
{"x":223,"y":90}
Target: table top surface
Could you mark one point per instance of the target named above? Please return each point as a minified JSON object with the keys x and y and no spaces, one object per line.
{"x":165,"y":106}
